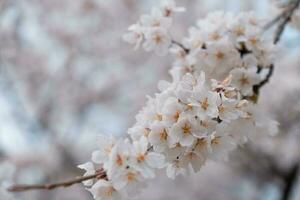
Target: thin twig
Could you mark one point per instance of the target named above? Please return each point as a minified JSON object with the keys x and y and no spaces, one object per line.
{"x":180,"y":45}
{"x":20,"y":188}
{"x":285,"y":19}
{"x":290,"y":181}
{"x":257,"y":87}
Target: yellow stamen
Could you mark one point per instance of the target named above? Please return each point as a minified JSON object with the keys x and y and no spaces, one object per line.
{"x":204,"y":104}
{"x":176,"y":116}
{"x":220,"y":55}
{"x":216,"y":140}
{"x":163,"y":135}
{"x":158,"y":117}
{"x":141,"y":158}
{"x":119,"y":160}
{"x":215,"y":36}
{"x":244,"y":80}
{"x":186,"y":129}
{"x":131,"y":176}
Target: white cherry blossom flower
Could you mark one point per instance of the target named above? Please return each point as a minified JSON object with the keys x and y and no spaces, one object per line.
{"x":195,"y":40}
{"x":228,"y":110}
{"x":143,"y":161}
{"x":127,"y":178}
{"x":205,"y":126}
{"x":176,"y":167}
{"x":169,"y":7}
{"x":89,"y":170}
{"x":156,"y":20}
{"x":159,"y":137}
{"x":135,"y":35}
{"x":188,"y":84}
{"x":182,"y":131}
{"x":103,"y":190}
{"x":158,"y":40}
{"x":195,"y":160}
{"x":245,"y":79}
{"x":118,"y":158}
{"x":172,"y":110}
{"x":138,"y":131}
{"x":207,"y":102}
{"x":105,"y":144}
{"x":220,"y":144}
{"x":221,"y":57}
{"x":201,"y":148}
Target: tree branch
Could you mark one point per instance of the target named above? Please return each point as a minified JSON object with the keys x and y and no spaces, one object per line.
{"x":284,"y":18}
{"x":257,"y":87}
{"x":294,"y":4}
{"x":180,"y":45}
{"x":20,"y":188}
{"x":290,"y":181}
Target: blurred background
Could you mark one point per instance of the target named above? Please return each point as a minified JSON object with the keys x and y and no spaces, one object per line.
{"x":66,"y":77}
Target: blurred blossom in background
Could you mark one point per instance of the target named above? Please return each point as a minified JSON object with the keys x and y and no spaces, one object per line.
{"x":66,"y":77}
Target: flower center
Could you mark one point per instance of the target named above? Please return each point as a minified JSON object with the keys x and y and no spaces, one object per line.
{"x":215,"y":36}
{"x":220,"y":55}
{"x":119,"y":160}
{"x":158,"y":117}
{"x":157,"y":39}
{"x":168,"y":12}
{"x":141,"y":158}
{"x":146,"y":132}
{"x":204,"y":104}
{"x":131,"y":176}
{"x":216,"y":140}
{"x":163,"y":135}
{"x":239,"y":30}
{"x":176,"y":116}
{"x":221,"y":108}
{"x":253,"y":40}
{"x":186,"y":129}
{"x":244,"y":80}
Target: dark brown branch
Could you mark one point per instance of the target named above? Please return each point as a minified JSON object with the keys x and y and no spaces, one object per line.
{"x":180,"y":45}
{"x":283,"y":19}
{"x":257,"y":87}
{"x":20,"y":188}
{"x":290,"y":180}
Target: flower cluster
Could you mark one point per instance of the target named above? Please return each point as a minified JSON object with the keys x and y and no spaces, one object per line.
{"x":206,"y":111}
{"x":153,"y":30}
{"x":125,"y":164}
{"x":223,"y":44}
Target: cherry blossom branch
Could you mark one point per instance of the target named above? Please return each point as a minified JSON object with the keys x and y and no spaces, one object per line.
{"x":256,"y":88}
{"x":285,"y":18}
{"x":290,"y":180}
{"x":180,"y":45}
{"x":20,"y":188}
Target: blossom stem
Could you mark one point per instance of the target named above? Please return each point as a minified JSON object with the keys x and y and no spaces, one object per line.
{"x":257,"y":87}
{"x":180,"y":45}
{"x":290,"y":181}
{"x":284,"y":18}
{"x":20,"y":188}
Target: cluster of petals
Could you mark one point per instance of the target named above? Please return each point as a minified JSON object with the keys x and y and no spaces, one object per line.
{"x":152,"y":31}
{"x":204,"y":113}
